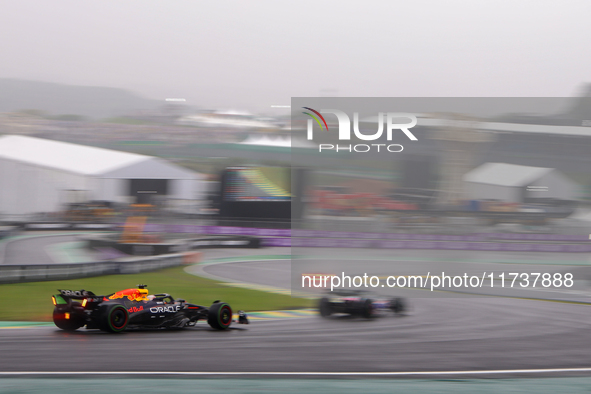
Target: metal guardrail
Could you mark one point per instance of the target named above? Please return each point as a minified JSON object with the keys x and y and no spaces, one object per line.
{"x":127,"y":265}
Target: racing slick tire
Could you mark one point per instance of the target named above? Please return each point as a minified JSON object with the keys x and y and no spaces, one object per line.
{"x":397,"y":305}
{"x":113,"y":318}
{"x":67,"y":324}
{"x":365,"y":308}
{"x":219,"y":316}
{"x":324,"y":307}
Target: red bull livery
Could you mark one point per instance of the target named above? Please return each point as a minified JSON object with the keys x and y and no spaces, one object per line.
{"x":134,"y":308}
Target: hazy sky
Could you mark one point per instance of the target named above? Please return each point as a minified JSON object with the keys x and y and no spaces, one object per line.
{"x":251,"y":54}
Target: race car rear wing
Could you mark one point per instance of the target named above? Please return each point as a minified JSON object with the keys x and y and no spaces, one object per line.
{"x":78,"y":294}
{"x":66,"y":297}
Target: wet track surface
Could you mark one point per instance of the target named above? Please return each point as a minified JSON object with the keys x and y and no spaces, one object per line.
{"x":277,"y":272}
{"x":470,"y":333}
{"x":34,"y":250}
{"x":437,"y":335}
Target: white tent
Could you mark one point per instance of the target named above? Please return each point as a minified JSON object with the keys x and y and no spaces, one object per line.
{"x":40,"y":175}
{"x":514,"y":183}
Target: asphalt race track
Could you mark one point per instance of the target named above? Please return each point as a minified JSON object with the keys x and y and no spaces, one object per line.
{"x":437,"y":334}
{"x":34,"y":250}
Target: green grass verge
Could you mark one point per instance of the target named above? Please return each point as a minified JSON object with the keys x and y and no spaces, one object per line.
{"x":32,"y":301}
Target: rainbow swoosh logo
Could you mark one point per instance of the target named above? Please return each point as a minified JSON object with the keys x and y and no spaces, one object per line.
{"x":316,"y":118}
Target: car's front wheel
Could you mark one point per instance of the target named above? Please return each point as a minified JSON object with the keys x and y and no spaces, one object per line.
{"x":219,"y":316}
{"x":398,"y":305}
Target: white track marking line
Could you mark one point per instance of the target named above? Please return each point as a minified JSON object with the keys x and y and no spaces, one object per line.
{"x":400,"y":373}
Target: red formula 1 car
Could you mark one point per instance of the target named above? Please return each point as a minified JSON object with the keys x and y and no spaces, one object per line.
{"x":134,"y":308}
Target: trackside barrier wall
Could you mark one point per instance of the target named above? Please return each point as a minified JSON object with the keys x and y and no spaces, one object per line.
{"x":272,"y":232}
{"x":439,"y":245}
{"x":178,"y":246}
{"x":128,"y":265}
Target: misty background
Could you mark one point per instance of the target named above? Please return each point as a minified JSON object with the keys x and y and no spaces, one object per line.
{"x":250,"y":55}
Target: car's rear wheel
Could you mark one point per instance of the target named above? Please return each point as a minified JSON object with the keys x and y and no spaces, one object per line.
{"x":219,"y":316}
{"x":66,"y":321}
{"x":113,"y":318}
{"x":324,"y":307}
